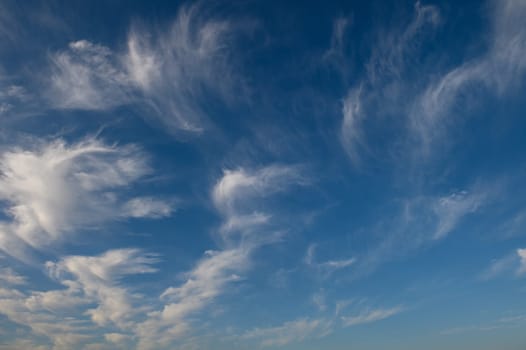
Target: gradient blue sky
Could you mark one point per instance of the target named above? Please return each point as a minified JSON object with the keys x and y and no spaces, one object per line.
{"x":263,"y":174}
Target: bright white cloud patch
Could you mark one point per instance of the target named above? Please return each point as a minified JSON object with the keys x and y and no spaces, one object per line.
{"x":52,"y":190}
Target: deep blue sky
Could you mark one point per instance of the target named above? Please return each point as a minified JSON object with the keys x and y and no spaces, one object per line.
{"x":262,"y":174}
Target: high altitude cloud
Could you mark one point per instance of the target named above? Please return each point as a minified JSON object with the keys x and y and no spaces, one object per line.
{"x":51,"y":190}
{"x":522,"y":255}
{"x":514,"y":262}
{"x":394,"y":79}
{"x":499,"y":69}
{"x":382,"y":87}
{"x":167,"y":74}
{"x":235,"y":195}
{"x":418,"y":222}
{"x":370,"y":316}
{"x":326,"y":267}
{"x":237,"y":189}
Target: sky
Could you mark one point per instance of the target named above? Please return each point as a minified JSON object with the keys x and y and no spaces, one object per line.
{"x":255,"y":174}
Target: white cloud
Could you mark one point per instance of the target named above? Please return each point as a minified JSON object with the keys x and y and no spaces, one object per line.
{"x":419,"y":221}
{"x":514,"y":262}
{"x":319,"y":300}
{"x":498,"y":70}
{"x":10,"y":277}
{"x":381,"y":88}
{"x":328,"y":266}
{"x":522,"y":255}
{"x":234,"y":195}
{"x":41,"y":323}
{"x":165,"y":73}
{"x":239,"y":185}
{"x":352,"y":136}
{"x":147,"y":207}
{"x":336,"y":54}
{"x":290,"y":332}
{"x":500,"y":266}
{"x":53,"y":189}
{"x":370,"y":316}
{"x":205,"y":282}
{"x":240,"y":193}
{"x":87,"y":77}
{"x":98,"y":277}
{"x":93,"y":288}
{"x":450,"y":209}
{"x":515,"y":226}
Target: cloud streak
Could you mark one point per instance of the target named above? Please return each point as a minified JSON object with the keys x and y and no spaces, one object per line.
{"x":370,"y":316}
{"x":235,"y":195}
{"x":498,"y":70}
{"x":167,"y":74}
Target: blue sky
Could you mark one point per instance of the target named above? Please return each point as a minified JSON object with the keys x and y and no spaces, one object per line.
{"x":262,"y":175}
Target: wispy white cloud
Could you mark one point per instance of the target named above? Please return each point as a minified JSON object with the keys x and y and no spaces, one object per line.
{"x":515,"y":226}
{"x":514,"y":262}
{"x":500,"y":266}
{"x":452,"y":208}
{"x":235,"y":196}
{"x":165,"y":73}
{"x":352,"y":136}
{"x":147,"y":207}
{"x":237,"y":193}
{"x":394,"y":80}
{"x":498,"y":70}
{"x":336,"y":54}
{"x":326,"y":267}
{"x":319,"y":299}
{"x":87,"y":76}
{"x":419,"y":221}
{"x":381,"y":88}
{"x":370,"y":316}
{"x":97,"y":279}
{"x":204,"y":283}
{"x":522,"y":255}
{"x":9,"y":277}
{"x":303,"y":329}
{"x":53,"y":189}
{"x":290,"y":332}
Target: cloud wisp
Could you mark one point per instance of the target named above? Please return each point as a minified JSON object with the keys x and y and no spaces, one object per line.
{"x":166,"y":74}
{"x":498,"y":70}
{"x":382,"y":87}
{"x":235,"y":195}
